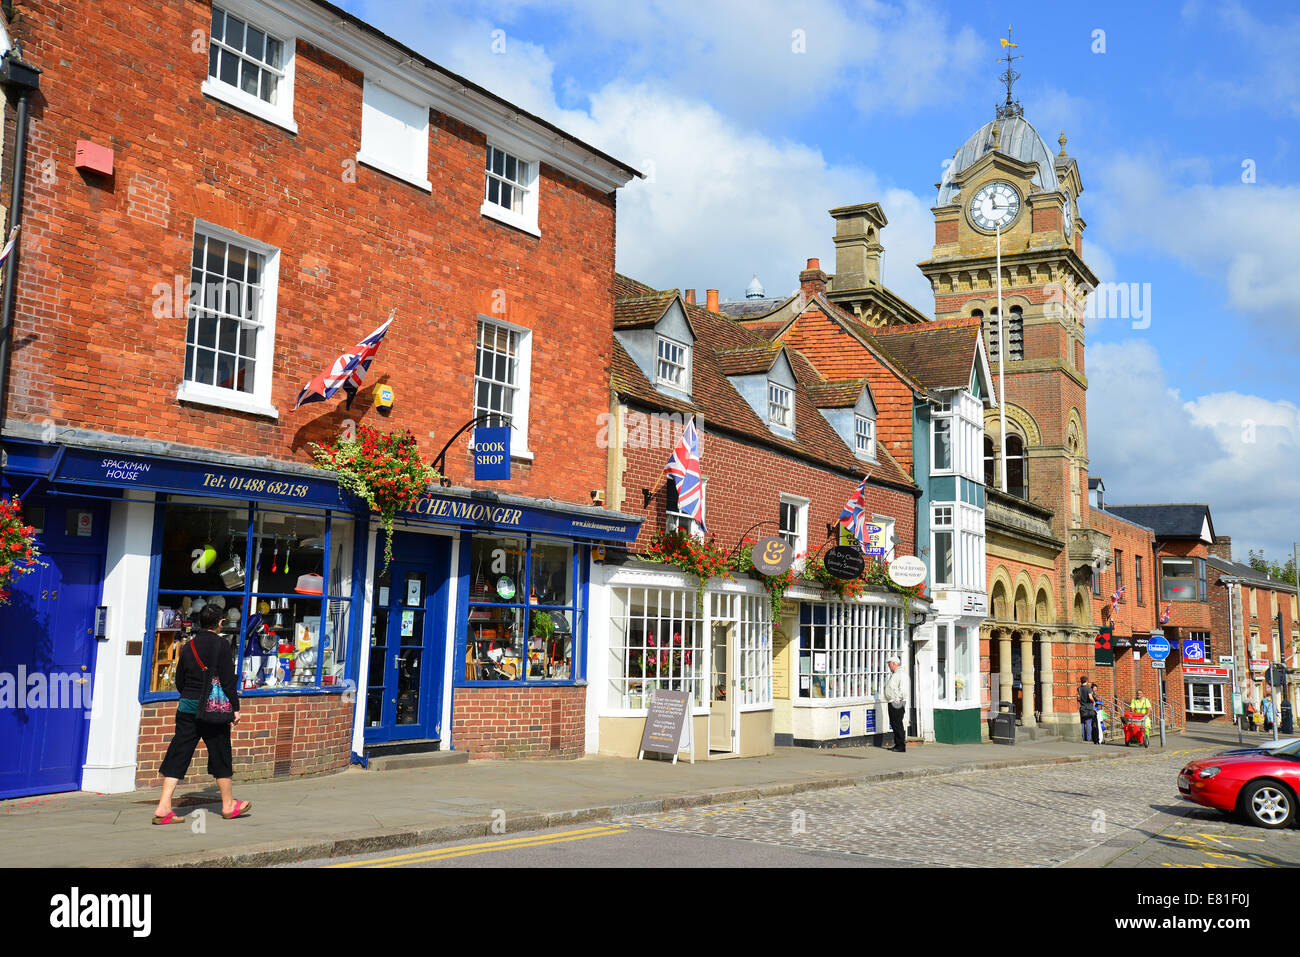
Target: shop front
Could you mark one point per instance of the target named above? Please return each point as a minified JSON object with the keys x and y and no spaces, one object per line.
{"x":1208,"y":692}
{"x":949,"y":703}
{"x":652,"y":630}
{"x":149,"y":540}
{"x":478,"y":629}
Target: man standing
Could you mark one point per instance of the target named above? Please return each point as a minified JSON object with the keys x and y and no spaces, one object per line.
{"x":896,"y":696}
{"x":1087,"y":711}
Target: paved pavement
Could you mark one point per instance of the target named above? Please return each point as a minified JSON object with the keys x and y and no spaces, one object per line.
{"x":353,"y":811}
{"x":931,"y":790}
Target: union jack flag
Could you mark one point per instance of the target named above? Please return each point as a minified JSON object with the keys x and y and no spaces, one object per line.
{"x":854,"y":516}
{"x":1116,"y":595}
{"x":1164,"y":616}
{"x":347,"y":372}
{"x":684,"y":467}
{"x":9,"y":246}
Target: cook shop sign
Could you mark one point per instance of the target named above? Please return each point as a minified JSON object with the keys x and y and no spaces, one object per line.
{"x":492,"y":454}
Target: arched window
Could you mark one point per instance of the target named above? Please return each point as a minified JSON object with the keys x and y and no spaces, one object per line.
{"x":990,"y":464}
{"x":977,"y":313}
{"x":1015,"y":335}
{"x":1017,"y":467}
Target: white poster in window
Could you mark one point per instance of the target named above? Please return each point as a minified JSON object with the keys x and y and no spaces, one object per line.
{"x":819,"y":662}
{"x":803,"y":682}
{"x":413,"y":591}
{"x":383,"y":594}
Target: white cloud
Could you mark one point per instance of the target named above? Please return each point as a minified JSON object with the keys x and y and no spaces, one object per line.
{"x":1241,"y":235}
{"x":1239,"y":453}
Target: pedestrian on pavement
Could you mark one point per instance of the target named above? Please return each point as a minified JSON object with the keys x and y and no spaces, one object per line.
{"x":896,"y":696}
{"x":1087,"y":710}
{"x":1141,"y":705}
{"x":210,"y":648}
{"x":1100,"y":704}
{"x":1266,"y":709}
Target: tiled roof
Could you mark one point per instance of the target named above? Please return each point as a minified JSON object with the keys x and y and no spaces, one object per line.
{"x":642,"y":310}
{"x":1236,"y":570}
{"x":940,"y":354}
{"x":1168,"y":521}
{"x":837,"y":395}
{"x":722,"y":408}
{"x":746,"y":308}
{"x":749,"y":361}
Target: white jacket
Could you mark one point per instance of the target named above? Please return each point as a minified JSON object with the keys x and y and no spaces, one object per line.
{"x":896,"y":687}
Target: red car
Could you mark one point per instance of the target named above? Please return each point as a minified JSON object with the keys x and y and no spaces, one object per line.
{"x":1262,"y":786}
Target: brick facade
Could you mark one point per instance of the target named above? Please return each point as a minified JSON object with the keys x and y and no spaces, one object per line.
{"x":520,"y":722}
{"x":291,"y":734}
{"x":102,"y":256}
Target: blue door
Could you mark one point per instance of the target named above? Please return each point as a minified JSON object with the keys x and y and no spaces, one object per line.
{"x":47,"y":652}
{"x":407,"y":648}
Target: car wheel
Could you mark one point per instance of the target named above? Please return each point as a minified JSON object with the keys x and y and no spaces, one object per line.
{"x":1268,"y":803}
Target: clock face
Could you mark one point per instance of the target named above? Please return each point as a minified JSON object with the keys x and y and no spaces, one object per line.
{"x":996,"y":204}
{"x":1069,"y":215}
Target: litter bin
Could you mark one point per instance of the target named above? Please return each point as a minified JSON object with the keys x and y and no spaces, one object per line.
{"x":1285,"y":726}
{"x":1002,"y":726}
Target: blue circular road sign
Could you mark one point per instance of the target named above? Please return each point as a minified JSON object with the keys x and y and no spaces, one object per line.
{"x":1158,"y":647}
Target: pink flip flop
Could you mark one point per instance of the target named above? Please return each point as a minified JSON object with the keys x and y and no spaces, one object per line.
{"x":171,"y":817}
{"x":240,"y":809}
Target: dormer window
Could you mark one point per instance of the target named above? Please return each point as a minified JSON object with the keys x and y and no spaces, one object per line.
{"x":864,"y":434}
{"x":780,"y":403}
{"x":673,"y":367}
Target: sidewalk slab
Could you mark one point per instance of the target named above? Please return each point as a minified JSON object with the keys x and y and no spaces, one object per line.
{"x":354,"y":811}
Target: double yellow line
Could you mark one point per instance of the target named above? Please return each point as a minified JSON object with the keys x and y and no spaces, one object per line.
{"x":465,"y":850}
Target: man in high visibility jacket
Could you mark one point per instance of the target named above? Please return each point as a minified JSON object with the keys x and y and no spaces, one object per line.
{"x":1140,"y":705}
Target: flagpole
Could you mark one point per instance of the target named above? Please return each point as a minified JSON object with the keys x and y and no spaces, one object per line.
{"x":1002,"y":363}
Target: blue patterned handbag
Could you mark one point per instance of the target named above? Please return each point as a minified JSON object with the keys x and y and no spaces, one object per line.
{"x":215,"y":707}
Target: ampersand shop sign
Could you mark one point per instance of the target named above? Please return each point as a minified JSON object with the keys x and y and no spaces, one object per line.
{"x":492,"y":454}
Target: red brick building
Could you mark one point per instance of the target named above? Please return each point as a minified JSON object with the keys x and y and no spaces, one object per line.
{"x":1253,"y":619}
{"x":780,"y":452}
{"x":215,"y":208}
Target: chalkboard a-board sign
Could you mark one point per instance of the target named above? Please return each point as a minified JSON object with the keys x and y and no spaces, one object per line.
{"x":845,"y":562}
{"x":668,"y":720}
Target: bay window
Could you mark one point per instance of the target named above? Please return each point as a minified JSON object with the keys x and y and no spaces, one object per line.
{"x":844,"y":647}
{"x":1178,"y":579}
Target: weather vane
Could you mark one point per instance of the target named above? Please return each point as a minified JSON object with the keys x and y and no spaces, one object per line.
{"x":1010,"y":107}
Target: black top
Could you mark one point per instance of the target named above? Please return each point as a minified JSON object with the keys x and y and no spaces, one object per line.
{"x":219,"y":655}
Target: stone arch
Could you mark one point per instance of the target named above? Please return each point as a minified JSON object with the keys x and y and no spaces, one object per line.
{"x":1044,"y":613}
{"x":1023,"y":607}
{"x":1000,"y":595}
{"x":1080,"y":613}
{"x":1018,"y":420}
{"x":1074,"y":426}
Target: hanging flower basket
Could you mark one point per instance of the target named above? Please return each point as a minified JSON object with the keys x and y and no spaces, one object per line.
{"x":383,"y":469}
{"x":18,"y":552}
{"x":702,"y":559}
{"x":846,"y":589}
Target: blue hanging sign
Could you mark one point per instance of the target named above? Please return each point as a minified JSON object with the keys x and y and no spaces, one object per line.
{"x":492,"y":454}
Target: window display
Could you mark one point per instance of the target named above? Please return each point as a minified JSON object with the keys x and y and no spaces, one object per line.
{"x":656,"y":641}
{"x":843,"y":647}
{"x":523,"y":617}
{"x":269,"y":570}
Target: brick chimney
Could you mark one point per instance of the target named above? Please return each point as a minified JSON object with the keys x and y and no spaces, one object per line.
{"x":812,"y":281}
{"x":690,"y":296}
{"x":712,"y":302}
{"x":1222,"y":547}
{"x":857,"y":245}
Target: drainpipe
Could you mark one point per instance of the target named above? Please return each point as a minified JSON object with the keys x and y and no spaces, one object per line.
{"x":21,"y":79}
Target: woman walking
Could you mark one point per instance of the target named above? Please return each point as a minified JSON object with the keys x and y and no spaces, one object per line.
{"x":207,"y":649}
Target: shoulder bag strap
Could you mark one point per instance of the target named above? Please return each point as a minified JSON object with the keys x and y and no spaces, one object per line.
{"x":194,"y":647}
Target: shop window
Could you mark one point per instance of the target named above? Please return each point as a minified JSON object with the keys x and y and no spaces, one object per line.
{"x":1204,"y":698}
{"x":1178,"y":579}
{"x":963,"y":664}
{"x":656,"y":641}
{"x":523,"y":615}
{"x":941,"y":662}
{"x":269,"y":571}
{"x":843,"y":648}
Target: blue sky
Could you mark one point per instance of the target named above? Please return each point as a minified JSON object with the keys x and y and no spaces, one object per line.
{"x":754,"y":118}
